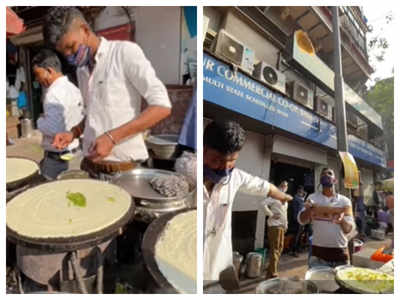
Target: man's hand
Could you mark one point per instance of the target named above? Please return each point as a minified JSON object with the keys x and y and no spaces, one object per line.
{"x":275,"y":193}
{"x":338,"y":218}
{"x":62,"y":140}
{"x":287,"y":198}
{"x":309,"y":213}
{"x":101,"y":148}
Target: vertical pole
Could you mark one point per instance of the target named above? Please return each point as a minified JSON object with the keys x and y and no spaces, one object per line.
{"x":339,"y":94}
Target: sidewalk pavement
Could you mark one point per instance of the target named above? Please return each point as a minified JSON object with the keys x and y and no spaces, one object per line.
{"x":290,"y":266}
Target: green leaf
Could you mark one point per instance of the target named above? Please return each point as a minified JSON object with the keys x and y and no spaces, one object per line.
{"x":111,"y":199}
{"x":77,"y":199}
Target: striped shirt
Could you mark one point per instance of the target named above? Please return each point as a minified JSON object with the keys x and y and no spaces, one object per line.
{"x":63,"y":109}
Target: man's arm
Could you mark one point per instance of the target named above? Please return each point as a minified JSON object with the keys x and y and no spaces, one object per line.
{"x":345,"y":220}
{"x":147,"y":119}
{"x":305,"y":215}
{"x":63,"y":139}
{"x":265,"y":206}
{"x":275,"y":193}
{"x":257,"y":186}
{"x":53,"y":119}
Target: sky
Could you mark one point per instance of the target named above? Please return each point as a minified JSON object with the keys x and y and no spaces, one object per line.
{"x":376,"y":18}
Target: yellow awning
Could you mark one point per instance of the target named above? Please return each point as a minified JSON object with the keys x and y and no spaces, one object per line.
{"x":351,"y":173}
{"x":388,"y":185}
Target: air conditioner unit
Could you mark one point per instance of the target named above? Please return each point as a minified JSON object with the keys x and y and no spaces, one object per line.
{"x":301,"y":94}
{"x":270,"y":76}
{"x":229,"y":48}
{"x":300,"y":53}
{"x":324,"y":106}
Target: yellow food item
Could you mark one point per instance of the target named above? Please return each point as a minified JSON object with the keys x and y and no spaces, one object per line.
{"x":67,"y":156}
{"x":367,"y":280}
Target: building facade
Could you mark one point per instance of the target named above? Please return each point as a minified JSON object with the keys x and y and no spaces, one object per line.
{"x":271,"y":69}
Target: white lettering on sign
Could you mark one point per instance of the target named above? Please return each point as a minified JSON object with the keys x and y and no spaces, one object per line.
{"x":274,"y":99}
{"x":209,"y":65}
{"x":234,"y":91}
{"x":214,"y":82}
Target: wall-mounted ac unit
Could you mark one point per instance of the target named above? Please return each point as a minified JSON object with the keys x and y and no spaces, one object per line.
{"x":301,"y":54}
{"x":270,"y":76}
{"x":229,"y":48}
{"x":324,"y":106}
{"x":301,"y":94}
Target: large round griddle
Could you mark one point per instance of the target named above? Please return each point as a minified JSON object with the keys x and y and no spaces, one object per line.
{"x":150,"y":238}
{"x":137,"y":183}
{"x":73,"y":243}
{"x":13,"y":185}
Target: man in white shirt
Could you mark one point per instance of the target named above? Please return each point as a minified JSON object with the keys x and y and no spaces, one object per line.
{"x":222,"y":144}
{"x":332,"y":219}
{"x":113,"y":76}
{"x":63,"y":109}
{"x":277,"y":225}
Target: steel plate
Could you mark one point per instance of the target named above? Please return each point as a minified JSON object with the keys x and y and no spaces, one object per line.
{"x":137,"y":183}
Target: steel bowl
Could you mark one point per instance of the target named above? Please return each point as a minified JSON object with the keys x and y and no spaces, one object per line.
{"x":282,"y":286}
{"x":324,"y":278}
{"x":164,"y":146}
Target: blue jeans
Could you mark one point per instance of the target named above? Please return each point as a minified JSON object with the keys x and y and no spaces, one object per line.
{"x":314,"y":261}
{"x":50,"y":168}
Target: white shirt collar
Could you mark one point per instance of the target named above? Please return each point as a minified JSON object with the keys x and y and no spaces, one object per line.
{"x":102,"y":49}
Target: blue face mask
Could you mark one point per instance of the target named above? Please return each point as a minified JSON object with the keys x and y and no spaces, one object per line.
{"x":216,"y":176}
{"x":326,"y":181}
{"x":81,"y":58}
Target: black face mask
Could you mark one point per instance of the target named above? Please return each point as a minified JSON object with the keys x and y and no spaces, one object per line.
{"x":326,"y":181}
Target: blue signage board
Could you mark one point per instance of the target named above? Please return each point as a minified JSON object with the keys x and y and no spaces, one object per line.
{"x":365,"y":151}
{"x":242,"y":94}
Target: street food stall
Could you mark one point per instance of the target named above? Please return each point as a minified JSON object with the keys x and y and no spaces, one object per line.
{"x":70,"y":226}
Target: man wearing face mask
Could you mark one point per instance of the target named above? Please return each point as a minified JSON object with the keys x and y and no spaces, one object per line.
{"x":63,"y":109}
{"x":330,"y":244}
{"x":222,"y":181}
{"x":113,"y":76}
{"x":297,"y":206}
{"x":277,"y":226}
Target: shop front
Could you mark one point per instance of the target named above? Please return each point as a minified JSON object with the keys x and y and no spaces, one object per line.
{"x":286,"y":141}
